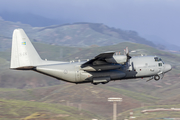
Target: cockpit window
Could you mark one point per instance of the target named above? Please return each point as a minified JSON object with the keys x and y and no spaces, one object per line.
{"x":157,"y":59}
{"x":160,"y":64}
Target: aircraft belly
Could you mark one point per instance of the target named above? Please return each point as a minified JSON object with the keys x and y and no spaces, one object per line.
{"x":84,"y":76}
{"x":63,"y":74}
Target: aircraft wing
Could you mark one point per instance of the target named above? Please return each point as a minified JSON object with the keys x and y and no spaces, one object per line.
{"x":101,"y":62}
{"x":100,"y":59}
{"x":105,"y":55}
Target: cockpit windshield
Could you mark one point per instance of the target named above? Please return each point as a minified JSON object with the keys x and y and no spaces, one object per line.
{"x":157,"y":59}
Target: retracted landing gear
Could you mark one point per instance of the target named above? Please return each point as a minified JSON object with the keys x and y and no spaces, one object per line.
{"x":99,"y":83}
{"x":102,"y":80}
{"x":105,"y":82}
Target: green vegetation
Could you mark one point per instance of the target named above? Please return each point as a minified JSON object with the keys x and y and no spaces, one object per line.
{"x":55,"y":52}
{"x":48,"y":102}
{"x":92,"y":98}
{"x":2,"y":61}
{"x":30,"y":110}
{"x":138,"y":96}
{"x":159,"y":115}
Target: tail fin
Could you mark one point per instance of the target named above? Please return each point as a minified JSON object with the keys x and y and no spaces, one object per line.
{"x":23,"y":53}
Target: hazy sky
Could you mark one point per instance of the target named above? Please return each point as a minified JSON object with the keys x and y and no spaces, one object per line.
{"x":159,"y":18}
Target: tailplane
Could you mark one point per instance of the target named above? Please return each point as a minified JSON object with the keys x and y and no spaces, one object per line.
{"x":23,"y":53}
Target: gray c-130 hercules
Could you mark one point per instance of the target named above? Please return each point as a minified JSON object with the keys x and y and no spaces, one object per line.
{"x":103,"y":68}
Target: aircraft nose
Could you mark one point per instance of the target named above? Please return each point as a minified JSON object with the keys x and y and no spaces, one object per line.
{"x":167,"y":68}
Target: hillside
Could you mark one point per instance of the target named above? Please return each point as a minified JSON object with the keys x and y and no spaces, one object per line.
{"x":86,"y":97}
{"x":74,"y":99}
{"x":81,"y":41}
{"x":87,"y":34}
{"x":77,"y":34}
{"x":157,"y":112}
{"x":135,"y":93}
{"x":31,"y":110}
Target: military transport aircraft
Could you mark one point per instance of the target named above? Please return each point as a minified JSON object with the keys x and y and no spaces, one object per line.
{"x":103,"y":68}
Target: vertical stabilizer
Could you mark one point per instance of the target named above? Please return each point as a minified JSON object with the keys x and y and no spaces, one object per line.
{"x":23,"y":53}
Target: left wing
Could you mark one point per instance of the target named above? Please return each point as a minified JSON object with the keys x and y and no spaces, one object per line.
{"x":105,"y":55}
{"x":100,"y":59}
{"x":100,"y":63}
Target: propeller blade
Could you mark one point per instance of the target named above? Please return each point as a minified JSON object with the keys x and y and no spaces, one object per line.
{"x":162,"y":75}
{"x":127,"y":51}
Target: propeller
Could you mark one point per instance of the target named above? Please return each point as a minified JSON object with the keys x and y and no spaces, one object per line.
{"x":126,"y":52}
{"x":161,"y":73}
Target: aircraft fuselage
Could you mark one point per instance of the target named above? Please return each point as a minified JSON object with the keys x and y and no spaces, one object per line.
{"x":136,"y":67}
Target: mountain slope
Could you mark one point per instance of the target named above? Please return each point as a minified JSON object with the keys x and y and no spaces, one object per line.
{"x":29,"y":18}
{"x":86,"y":97}
{"x":31,"y":110}
{"x":77,"y":34}
{"x":86,"y":34}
